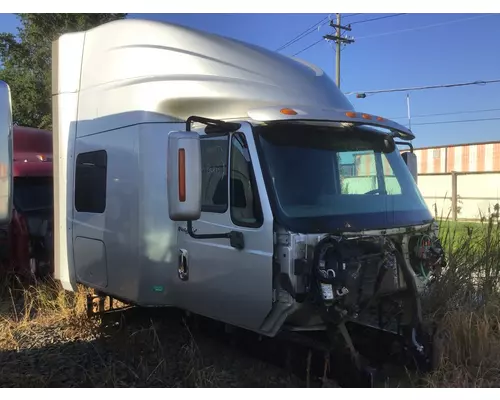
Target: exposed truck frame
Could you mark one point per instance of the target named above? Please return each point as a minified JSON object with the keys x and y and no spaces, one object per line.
{"x":200,"y":172}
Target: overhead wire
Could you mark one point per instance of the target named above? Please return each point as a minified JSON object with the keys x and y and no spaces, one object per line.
{"x":310,"y":30}
{"x":425,"y":26}
{"x":412,"y":89}
{"x":406,"y":30}
{"x":377,"y":18}
{"x":351,"y":15}
{"x":442,"y":114}
{"x":447,"y":113}
{"x":457,"y":121}
{"x":302,"y":35}
{"x":308,"y":47}
{"x":347,"y":16}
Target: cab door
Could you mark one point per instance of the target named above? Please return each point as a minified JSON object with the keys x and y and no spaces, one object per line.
{"x":216,"y":279}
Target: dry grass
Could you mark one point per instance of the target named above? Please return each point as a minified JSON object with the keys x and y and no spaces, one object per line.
{"x":46,"y":340}
{"x":469,"y":347}
{"x":464,"y":303}
{"x":24,"y":309}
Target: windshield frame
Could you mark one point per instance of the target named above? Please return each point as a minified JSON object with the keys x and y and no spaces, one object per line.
{"x":330,"y":223}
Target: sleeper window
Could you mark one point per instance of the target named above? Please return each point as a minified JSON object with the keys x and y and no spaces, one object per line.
{"x":90,"y":182}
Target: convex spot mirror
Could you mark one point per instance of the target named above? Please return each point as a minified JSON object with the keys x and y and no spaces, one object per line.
{"x":5,"y":154}
{"x":184,"y":176}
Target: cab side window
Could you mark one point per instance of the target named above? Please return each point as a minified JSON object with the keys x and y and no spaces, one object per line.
{"x":90,"y":182}
{"x":214,"y":158}
{"x":245,"y":205}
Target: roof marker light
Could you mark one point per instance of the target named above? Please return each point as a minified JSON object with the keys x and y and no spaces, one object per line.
{"x":351,"y":114}
{"x":366,"y":116}
{"x":288,"y":111}
{"x":380,"y":119}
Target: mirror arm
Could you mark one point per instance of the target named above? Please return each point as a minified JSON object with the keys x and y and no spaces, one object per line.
{"x":216,"y":125}
{"x":406,"y":144}
{"x":236,"y":238}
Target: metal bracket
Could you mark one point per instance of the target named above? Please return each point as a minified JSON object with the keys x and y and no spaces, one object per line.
{"x":405,"y":144}
{"x":213,"y":125}
{"x":236,"y":238}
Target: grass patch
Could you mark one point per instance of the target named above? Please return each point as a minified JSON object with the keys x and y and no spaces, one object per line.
{"x":464,"y":303}
{"x":25,"y":310}
{"x":469,"y":349}
{"x":46,"y":340}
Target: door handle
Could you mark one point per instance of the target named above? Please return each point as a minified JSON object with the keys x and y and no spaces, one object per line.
{"x":183,"y":269}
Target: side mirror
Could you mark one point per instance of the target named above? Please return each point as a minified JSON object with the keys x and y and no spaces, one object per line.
{"x":5,"y":154}
{"x":410,"y":160}
{"x":184,"y":176}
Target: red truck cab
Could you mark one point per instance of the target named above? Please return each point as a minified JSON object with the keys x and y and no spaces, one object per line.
{"x":27,"y":241}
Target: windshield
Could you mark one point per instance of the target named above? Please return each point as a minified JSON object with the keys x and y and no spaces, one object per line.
{"x":328,"y":179}
{"x":33,"y":193}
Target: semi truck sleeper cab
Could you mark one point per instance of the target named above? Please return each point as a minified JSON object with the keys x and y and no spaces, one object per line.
{"x":200,"y":172}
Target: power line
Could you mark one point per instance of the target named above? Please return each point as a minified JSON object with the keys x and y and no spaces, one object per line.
{"x":377,"y":18}
{"x":402,"y":30}
{"x":412,"y":89}
{"x":425,"y":26}
{"x":459,"y":121}
{"x":308,"y":47}
{"x":448,"y":113}
{"x":310,"y":30}
{"x":306,"y":33}
{"x":352,"y":15}
{"x":302,"y":35}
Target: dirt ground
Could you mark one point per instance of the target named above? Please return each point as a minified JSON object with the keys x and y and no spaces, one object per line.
{"x":47,"y":341}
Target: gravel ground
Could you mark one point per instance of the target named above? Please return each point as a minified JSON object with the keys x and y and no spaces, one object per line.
{"x":46,"y":351}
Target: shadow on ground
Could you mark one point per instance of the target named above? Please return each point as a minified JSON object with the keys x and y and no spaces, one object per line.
{"x":129,"y":350}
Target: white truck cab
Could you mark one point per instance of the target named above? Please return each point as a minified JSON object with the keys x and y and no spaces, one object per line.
{"x":200,"y":172}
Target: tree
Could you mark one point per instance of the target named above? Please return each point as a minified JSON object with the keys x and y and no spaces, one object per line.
{"x":26,"y":61}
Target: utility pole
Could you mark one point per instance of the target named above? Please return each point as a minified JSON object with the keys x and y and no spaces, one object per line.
{"x":408,"y":108}
{"x":337,"y":50}
{"x":339,"y":40}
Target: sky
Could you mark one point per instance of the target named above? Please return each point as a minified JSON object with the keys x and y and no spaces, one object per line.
{"x":402,"y":51}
